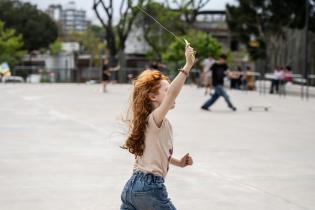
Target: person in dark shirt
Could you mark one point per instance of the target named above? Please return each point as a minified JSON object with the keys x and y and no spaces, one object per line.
{"x":106,"y":73}
{"x":219,"y":71}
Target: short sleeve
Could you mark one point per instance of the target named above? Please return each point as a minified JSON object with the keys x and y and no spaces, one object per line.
{"x":152,"y":124}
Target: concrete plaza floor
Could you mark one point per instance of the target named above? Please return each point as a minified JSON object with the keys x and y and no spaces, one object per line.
{"x":59,"y":150}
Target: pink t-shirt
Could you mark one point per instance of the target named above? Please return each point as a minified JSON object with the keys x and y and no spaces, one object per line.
{"x":158,"y":148}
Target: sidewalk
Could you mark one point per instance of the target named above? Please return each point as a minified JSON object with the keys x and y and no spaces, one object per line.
{"x":60,"y":150}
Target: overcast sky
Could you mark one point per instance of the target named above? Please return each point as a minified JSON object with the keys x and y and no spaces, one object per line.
{"x":87,"y":5}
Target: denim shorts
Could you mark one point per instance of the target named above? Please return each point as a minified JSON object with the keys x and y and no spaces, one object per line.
{"x":145,"y":191}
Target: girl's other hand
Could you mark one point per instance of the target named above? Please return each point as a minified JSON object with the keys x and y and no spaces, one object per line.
{"x":186,"y":161}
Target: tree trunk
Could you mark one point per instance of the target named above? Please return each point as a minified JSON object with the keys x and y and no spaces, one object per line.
{"x":122,"y":71}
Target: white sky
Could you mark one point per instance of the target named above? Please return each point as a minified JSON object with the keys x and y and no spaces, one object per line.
{"x":87,"y":5}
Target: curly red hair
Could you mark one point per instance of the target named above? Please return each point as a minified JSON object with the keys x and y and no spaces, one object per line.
{"x":148,"y":82}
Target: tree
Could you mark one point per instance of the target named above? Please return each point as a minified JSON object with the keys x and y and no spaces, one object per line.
{"x":190,"y":8}
{"x":202,"y":42}
{"x":116,"y":35}
{"x":179,"y":19}
{"x":154,"y":34}
{"x":262,"y":20}
{"x":90,"y":43}
{"x":10,"y":46}
{"x":55,"y":48}
{"x":98,"y":31}
{"x":37,"y":28}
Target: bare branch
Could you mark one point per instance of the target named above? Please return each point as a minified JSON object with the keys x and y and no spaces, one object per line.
{"x":190,"y":9}
{"x":109,"y":9}
{"x":167,"y":3}
{"x":178,"y":4}
{"x":202,"y":3}
{"x":123,"y":18}
{"x":121,"y":7}
{"x":127,"y":19}
{"x":95,"y":5}
{"x":128,"y":13}
{"x":191,"y":2}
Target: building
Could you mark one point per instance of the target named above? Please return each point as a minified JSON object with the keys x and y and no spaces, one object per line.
{"x":54,"y":11}
{"x":69,"y":17}
{"x":214,"y":23}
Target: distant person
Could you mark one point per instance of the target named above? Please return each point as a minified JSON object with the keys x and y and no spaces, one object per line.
{"x":277,"y":75}
{"x":235,"y":78}
{"x":250,"y":79}
{"x":150,"y":138}
{"x":240,"y":77}
{"x":287,"y":74}
{"x":154,"y":65}
{"x":281,"y":76}
{"x":281,"y":81}
{"x":207,"y":74}
{"x":158,"y":65}
{"x":106,"y":73}
{"x":219,"y":71}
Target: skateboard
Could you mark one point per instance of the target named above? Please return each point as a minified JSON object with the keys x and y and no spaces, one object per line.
{"x":252,"y":108}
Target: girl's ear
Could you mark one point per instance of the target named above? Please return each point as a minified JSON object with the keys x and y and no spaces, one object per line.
{"x":152,"y":97}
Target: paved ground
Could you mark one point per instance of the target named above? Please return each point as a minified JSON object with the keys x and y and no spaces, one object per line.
{"x":60,"y":150}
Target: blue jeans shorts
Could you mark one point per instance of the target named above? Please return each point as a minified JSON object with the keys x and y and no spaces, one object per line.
{"x":145,"y":191}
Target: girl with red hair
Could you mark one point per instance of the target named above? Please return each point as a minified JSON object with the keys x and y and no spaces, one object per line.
{"x":150,"y":138}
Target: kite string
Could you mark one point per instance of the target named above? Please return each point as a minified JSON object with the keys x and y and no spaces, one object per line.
{"x":143,"y":11}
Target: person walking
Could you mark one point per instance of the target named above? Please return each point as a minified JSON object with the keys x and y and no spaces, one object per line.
{"x":150,"y":138}
{"x":106,"y":73}
{"x":219,"y":71}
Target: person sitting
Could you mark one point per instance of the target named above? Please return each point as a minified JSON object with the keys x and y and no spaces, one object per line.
{"x":287,"y":77}
{"x":249,"y":77}
{"x":235,"y":78}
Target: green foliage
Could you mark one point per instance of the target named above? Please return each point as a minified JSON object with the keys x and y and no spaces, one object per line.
{"x":98,"y":31}
{"x":156,"y":37}
{"x":37,"y":28}
{"x":203,"y":43}
{"x":265,"y":18}
{"x":163,"y":44}
{"x":10,"y":46}
{"x":90,"y":43}
{"x":55,"y":48}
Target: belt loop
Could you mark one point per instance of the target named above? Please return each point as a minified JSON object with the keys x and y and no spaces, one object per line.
{"x":134,"y":176}
{"x":149,"y":178}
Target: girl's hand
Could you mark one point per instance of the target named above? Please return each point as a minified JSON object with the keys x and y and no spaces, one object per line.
{"x":186,"y":161}
{"x":190,"y":56}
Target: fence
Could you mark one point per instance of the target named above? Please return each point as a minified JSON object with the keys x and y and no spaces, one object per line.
{"x":65,"y":75}
{"x":62,"y":75}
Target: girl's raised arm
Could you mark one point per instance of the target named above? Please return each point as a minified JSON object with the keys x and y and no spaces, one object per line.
{"x":176,"y":85}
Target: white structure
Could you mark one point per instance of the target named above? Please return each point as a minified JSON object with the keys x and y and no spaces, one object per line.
{"x":70,"y":47}
{"x":71,"y":18}
{"x":61,"y":61}
{"x":60,"y":66}
{"x":135,"y":43}
{"x":54,"y":11}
